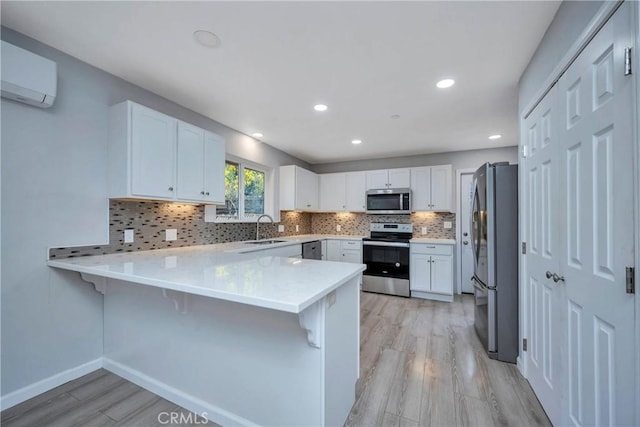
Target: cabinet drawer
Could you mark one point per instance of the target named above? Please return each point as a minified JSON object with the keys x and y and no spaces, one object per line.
{"x":431,"y":249}
{"x":351,"y":244}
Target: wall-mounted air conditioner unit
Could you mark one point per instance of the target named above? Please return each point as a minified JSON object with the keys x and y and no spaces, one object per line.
{"x":27,"y":77}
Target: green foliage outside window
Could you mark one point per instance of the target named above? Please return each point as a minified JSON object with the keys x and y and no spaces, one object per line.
{"x":253,"y":185}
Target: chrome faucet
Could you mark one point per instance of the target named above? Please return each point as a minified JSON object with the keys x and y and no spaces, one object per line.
{"x":258,"y":224}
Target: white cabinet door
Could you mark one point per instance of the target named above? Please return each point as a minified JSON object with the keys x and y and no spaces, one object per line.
{"x":399,"y":178}
{"x":214,"y":159}
{"x":421,"y":189}
{"x":352,"y":256}
{"x":306,"y":189}
{"x":333,"y":192}
{"x":334,"y":250}
{"x":377,"y":179}
{"x":432,"y":188}
{"x":356,"y":184}
{"x":441,"y":188}
{"x":420,"y":272}
{"x":190,"y":166}
{"x":153,"y":147}
{"x":441,"y":274}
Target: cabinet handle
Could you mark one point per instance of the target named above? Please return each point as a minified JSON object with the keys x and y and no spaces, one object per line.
{"x":170,"y":188}
{"x":202,"y":192}
{"x":207,"y":193}
{"x":431,"y":247}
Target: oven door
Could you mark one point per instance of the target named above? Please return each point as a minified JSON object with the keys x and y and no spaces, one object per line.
{"x":387,"y":268}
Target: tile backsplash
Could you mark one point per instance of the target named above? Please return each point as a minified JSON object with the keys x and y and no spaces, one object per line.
{"x":149,"y":220}
{"x":358,"y":223}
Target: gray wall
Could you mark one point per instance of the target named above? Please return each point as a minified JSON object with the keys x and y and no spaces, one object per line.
{"x":54,"y":193}
{"x":459,"y":159}
{"x":571,"y":19}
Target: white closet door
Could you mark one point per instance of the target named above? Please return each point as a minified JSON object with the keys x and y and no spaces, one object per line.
{"x":545,"y":311}
{"x":597,"y":158}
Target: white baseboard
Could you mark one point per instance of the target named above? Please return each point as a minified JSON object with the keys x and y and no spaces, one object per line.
{"x":191,"y":403}
{"x":32,"y":390}
{"x":520,"y":366}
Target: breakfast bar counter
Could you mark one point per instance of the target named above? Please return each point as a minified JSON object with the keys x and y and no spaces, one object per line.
{"x":239,"y":338}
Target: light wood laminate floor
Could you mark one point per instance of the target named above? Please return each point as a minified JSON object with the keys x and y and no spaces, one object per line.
{"x":421,"y":364}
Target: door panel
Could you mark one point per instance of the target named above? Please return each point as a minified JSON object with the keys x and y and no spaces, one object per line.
{"x":466,"y":253}
{"x":597,"y":143}
{"x":441,"y":278}
{"x":214,"y":163}
{"x":579,"y":175}
{"x":190,"y":172}
{"x":545,"y":310}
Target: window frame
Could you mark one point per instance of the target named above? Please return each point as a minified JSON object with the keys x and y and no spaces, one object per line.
{"x":269,"y":192}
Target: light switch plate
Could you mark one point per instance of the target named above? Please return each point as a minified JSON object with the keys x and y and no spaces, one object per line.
{"x":423,"y":231}
{"x":281,"y":229}
{"x":128,"y":235}
{"x":447,"y":224}
{"x":297,"y":228}
{"x":171,"y":234}
{"x":338,"y":227}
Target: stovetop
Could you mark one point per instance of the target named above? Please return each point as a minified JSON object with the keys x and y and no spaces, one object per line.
{"x":390,"y":232}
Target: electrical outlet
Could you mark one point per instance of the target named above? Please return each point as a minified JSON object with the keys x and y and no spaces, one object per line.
{"x":447,"y":224}
{"x":423,"y":231}
{"x":281,"y":229}
{"x":297,"y":228}
{"x":128,"y":235}
{"x":170,"y":234}
{"x":338,"y":227}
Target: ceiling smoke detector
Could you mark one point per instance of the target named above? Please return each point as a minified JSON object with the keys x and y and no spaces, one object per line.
{"x":207,"y":39}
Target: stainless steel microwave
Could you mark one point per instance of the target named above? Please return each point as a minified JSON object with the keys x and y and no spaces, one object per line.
{"x":389,"y":201}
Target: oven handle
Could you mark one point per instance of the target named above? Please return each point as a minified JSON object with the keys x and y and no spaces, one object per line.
{"x":392,"y":244}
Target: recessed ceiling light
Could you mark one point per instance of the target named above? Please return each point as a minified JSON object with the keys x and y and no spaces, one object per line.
{"x":496,"y":136}
{"x":257,"y":135}
{"x":443,"y":84}
{"x":206,"y":39}
{"x":395,"y":116}
{"x":356,"y":141}
{"x":320,"y":107}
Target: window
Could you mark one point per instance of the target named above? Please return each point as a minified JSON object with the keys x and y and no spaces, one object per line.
{"x":244,"y":193}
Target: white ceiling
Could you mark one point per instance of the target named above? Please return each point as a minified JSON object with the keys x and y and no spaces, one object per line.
{"x":366,"y":60}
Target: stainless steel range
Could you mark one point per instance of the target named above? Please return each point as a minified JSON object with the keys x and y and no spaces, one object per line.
{"x":386,"y":254}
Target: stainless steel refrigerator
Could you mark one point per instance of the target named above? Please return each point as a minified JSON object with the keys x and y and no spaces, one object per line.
{"x":494,"y":227}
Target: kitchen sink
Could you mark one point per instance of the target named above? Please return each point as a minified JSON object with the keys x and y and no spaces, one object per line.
{"x":263,"y":242}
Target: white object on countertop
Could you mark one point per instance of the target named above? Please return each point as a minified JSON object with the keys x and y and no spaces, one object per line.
{"x":285,"y":284}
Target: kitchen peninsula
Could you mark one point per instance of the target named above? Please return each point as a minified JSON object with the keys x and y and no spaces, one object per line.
{"x":242,"y":338}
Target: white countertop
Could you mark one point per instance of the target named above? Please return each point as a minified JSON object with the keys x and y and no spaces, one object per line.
{"x":240,"y":247}
{"x":218,"y":271}
{"x":433,"y":241}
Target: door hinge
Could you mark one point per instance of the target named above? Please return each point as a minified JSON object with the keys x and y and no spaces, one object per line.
{"x":524,"y":344}
{"x":631,"y":285}
{"x":524,"y":152}
{"x":627,"y":61}
{"x":524,"y":248}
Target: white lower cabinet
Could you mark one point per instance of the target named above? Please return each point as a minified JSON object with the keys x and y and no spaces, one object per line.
{"x":344,"y":251}
{"x":431,"y":271}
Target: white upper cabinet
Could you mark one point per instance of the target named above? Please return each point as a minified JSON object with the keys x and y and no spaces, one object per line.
{"x":333,"y":188}
{"x":343,"y":192}
{"x":200,"y":172}
{"x":142,"y":153}
{"x":355,"y":191}
{"x":298,"y":189}
{"x":214,"y":161}
{"x":152,"y":156}
{"x":388,"y":178}
{"x":432,"y":189}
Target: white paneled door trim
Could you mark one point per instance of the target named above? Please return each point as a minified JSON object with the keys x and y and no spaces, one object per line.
{"x":608,"y":8}
{"x":459,"y":173}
